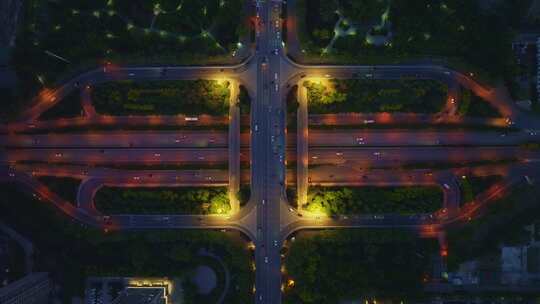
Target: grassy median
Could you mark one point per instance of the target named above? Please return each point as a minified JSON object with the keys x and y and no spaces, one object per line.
{"x":189,"y":97}
{"x":362,"y":200}
{"x":176,"y":200}
{"x":372,"y":96}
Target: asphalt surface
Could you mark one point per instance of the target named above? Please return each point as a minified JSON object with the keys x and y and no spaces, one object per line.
{"x":220,"y":139}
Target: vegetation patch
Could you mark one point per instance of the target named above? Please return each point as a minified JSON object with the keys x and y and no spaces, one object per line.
{"x":332,"y":266}
{"x":502,"y":223}
{"x":65,"y":187}
{"x":472,"y":186}
{"x":454,"y":33}
{"x":15,"y":262}
{"x":176,"y":200}
{"x":68,"y":107}
{"x":292,"y":196}
{"x":292,"y":110}
{"x":244,"y":101}
{"x":363,"y":95}
{"x":156,"y":253}
{"x":244,"y":194}
{"x":58,"y":39}
{"x":474,"y":106}
{"x":358,"y":200}
{"x":189,"y":97}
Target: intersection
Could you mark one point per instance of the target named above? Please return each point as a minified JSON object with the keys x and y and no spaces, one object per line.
{"x":365,"y":157}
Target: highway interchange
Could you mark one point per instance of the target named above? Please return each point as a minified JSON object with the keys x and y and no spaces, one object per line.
{"x":31,"y":147}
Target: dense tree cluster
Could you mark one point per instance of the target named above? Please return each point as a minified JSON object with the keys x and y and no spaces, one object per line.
{"x":190,"y":97}
{"x":460,"y":31}
{"x":472,"y":105}
{"x":244,"y":194}
{"x":70,"y":106}
{"x":474,"y":185}
{"x":351,"y":200}
{"x":338,"y":265}
{"x":90,"y":33}
{"x":320,"y":20}
{"x":502,"y":223}
{"x":363,"y":95}
{"x":184,"y":200}
{"x":90,"y":252}
{"x":65,"y":187}
{"x":244,"y":101}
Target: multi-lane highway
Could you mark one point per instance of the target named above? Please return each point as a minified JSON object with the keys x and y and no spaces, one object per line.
{"x":219,"y":139}
{"x":323,"y":156}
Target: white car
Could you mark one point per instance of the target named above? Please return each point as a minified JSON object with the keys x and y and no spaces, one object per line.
{"x":446,"y":186}
{"x":266,"y":260}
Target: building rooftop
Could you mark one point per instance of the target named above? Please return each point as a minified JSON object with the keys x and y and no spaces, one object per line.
{"x":141,"y":295}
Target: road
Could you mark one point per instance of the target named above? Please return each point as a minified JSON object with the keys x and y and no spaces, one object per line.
{"x":220,"y":139}
{"x":93,"y":156}
{"x":268,"y":153}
